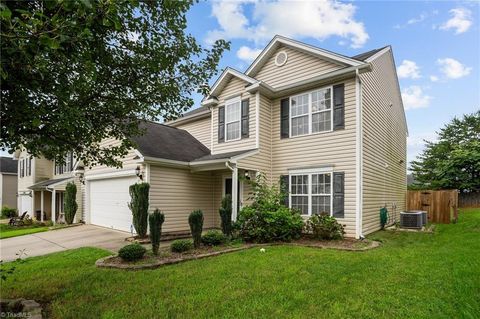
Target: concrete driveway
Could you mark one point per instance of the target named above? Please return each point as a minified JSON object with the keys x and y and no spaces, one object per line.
{"x":62,"y":239}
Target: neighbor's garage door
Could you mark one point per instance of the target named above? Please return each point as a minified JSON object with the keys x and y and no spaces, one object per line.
{"x":109,"y":200}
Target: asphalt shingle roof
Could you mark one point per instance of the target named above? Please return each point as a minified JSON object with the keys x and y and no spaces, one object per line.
{"x":49,"y":182}
{"x":8,"y":165}
{"x":163,"y":141}
{"x":221,"y":156}
{"x":365,"y":55}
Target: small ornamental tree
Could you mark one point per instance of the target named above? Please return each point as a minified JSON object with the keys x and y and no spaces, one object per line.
{"x":156,"y":220}
{"x":226,"y":215}
{"x":195,"y":220}
{"x":139,"y":207}
{"x":70,"y":203}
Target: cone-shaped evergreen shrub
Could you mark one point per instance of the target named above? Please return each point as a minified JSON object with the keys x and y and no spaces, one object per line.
{"x":195,"y":220}
{"x":70,"y":203}
{"x":139,"y":207}
{"x":226,"y":215}
{"x":156,"y":220}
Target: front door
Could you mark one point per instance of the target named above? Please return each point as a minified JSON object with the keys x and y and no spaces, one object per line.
{"x":228,"y":190}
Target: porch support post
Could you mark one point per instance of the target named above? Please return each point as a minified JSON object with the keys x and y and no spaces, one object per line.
{"x":53,"y":206}
{"x":33,"y":204}
{"x":234,"y":193}
{"x":41,"y":206}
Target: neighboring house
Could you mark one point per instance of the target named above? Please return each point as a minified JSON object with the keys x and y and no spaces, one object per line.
{"x":331,"y":128}
{"x":41,"y":186}
{"x":8,"y":182}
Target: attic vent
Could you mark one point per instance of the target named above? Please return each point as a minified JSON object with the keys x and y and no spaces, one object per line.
{"x":281,"y":58}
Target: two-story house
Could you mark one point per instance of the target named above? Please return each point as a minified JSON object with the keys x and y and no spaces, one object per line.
{"x":330,"y":128}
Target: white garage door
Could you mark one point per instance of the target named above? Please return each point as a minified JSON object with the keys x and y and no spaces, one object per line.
{"x":109,"y":200}
{"x":25,"y":205}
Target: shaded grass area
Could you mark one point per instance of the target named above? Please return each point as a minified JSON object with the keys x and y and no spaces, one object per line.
{"x":413,"y":275}
{"x":7,"y":231}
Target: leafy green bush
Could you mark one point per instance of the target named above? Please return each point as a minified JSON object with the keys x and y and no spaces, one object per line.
{"x":156,"y":220}
{"x":226,"y":215}
{"x":195,"y":220}
{"x":139,"y":207}
{"x":181,"y":245}
{"x":132,"y":252}
{"x":267,"y":219}
{"x":214,"y":238}
{"x":70,"y":202}
{"x":324,"y":226}
{"x":281,"y":224}
{"x":8,"y":212}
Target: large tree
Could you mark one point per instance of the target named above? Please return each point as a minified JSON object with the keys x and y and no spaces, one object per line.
{"x":453,"y":161}
{"x":76,"y":72}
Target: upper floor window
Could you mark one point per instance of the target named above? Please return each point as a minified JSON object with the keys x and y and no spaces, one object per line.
{"x":232,"y":119}
{"x":25,"y":167}
{"x":66,"y":167}
{"x":311,"y":112}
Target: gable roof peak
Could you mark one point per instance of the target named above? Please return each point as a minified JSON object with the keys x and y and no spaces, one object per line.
{"x":279,"y":40}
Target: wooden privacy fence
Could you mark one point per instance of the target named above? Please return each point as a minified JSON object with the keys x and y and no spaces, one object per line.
{"x":441,"y":205}
{"x":469,"y":199}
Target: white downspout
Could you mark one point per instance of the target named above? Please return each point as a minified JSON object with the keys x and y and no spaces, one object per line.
{"x":359,"y":155}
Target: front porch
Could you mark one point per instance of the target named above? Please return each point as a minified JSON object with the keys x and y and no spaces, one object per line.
{"x":48,"y":200}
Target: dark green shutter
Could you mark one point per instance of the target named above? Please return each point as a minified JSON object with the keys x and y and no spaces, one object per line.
{"x":221,"y":124}
{"x":285,"y":187}
{"x":338,"y":194}
{"x":339,"y":107}
{"x":284,"y":118}
{"x":245,"y":117}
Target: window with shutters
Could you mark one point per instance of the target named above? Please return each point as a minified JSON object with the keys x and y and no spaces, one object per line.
{"x":67,"y":166}
{"x":311,"y":193}
{"x":311,"y":112}
{"x":232,"y":119}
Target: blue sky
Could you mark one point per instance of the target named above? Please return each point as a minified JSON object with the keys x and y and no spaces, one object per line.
{"x":436,"y":45}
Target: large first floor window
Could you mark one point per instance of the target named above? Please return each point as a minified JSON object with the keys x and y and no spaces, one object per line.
{"x":311,"y":112}
{"x":233,"y":115}
{"x":311,"y":193}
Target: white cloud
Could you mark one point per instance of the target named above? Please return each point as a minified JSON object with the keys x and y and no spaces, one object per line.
{"x":247,"y":54}
{"x":452,"y":68}
{"x":434,"y":78}
{"x":408,"y":69}
{"x":461,"y":20}
{"x":414,"y":98}
{"x":314,"y":19}
{"x":418,"y":19}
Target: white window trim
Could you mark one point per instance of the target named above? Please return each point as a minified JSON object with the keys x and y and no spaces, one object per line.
{"x":290,"y":117}
{"x":227,"y":104}
{"x":309,"y":173}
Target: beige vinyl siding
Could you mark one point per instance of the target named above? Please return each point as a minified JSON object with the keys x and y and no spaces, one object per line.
{"x":42,"y":170}
{"x":384,"y":143}
{"x":129,"y":162}
{"x":177,"y":192}
{"x":299,"y":66}
{"x":8,"y":190}
{"x":200,"y":129}
{"x":235,"y":87}
{"x":335,"y":148}
{"x":262,"y":161}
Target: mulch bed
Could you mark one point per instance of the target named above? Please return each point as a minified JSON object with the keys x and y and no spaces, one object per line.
{"x":166,"y":257}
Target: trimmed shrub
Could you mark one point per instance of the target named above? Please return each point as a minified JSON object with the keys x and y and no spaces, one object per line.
{"x":281,"y":224}
{"x":195,"y":220}
{"x":139,"y":207}
{"x":214,"y":238}
{"x":324,"y":226}
{"x":156,"y":220}
{"x":132,"y":252}
{"x":70,"y":202}
{"x":226,"y":215}
{"x":267,"y":219}
{"x":8,"y":212}
{"x":181,"y":245}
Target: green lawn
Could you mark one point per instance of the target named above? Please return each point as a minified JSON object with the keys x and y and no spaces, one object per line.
{"x":411,"y":276}
{"x":7,"y":231}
